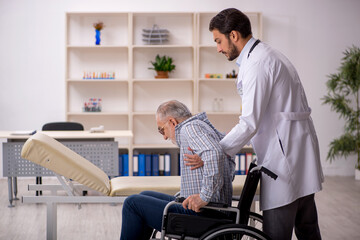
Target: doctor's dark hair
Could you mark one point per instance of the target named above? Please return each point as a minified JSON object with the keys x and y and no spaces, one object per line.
{"x":231,"y":19}
{"x":174,"y":109}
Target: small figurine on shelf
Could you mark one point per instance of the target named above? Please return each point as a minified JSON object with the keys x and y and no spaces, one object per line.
{"x":94,"y":105}
{"x":231,"y":75}
{"x":99,"y":75}
{"x":98,"y":27}
{"x":213,"y":75}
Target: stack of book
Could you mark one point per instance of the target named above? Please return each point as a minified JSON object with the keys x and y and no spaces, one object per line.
{"x":151,"y":165}
{"x":242,"y":162}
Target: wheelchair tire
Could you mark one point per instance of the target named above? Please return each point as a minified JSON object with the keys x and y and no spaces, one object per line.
{"x":255,"y":220}
{"x":234,"y":231}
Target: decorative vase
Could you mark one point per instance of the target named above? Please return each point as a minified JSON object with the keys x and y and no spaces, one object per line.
{"x":162,"y":74}
{"x":357,"y":174}
{"x":97,"y":37}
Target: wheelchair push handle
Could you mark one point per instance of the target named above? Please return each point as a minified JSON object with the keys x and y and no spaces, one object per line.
{"x":265,"y":170}
{"x":269,"y":173}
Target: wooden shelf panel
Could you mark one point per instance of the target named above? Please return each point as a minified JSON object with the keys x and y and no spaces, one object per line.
{"x":129,"y":101}
{"x":166,"y":80}
{"x":98,"y":113}
{"x":86,"y":81}
{"x":155,"y":146}
{"x":96,"y":46}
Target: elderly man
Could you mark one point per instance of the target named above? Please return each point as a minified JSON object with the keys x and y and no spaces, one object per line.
{"x":211,"y":182}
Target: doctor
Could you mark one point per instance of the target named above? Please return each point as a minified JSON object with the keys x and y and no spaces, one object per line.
{"x":276,"y":119}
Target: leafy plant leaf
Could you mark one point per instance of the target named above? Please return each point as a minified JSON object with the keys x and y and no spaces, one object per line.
{"x":343,"y":97}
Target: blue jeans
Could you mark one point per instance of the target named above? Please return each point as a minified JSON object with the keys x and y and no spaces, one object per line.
{"x":143,"y":212}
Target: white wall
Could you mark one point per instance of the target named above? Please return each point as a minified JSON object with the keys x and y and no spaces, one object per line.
{"x":313,"y":34}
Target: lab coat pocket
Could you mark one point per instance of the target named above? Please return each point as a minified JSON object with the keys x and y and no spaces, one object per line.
{"x":280,"y":143}
{"x":292,"y":131}
{"x":283,"y":131}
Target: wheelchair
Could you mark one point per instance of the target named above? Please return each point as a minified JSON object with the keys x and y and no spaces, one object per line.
{"x":217,"y":221}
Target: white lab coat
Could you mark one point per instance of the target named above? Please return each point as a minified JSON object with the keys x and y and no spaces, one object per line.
{"x":276,"y":118}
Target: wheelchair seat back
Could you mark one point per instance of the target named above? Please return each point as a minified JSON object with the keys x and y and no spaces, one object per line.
{"x":248,"y":193}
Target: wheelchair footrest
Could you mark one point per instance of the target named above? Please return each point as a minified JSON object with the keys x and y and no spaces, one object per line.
{"x":194,"y":226}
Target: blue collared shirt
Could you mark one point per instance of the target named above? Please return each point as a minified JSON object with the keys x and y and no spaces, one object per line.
{"x":239,"y":61}
{"x":213,"y":181}
{"x":245,"y":50}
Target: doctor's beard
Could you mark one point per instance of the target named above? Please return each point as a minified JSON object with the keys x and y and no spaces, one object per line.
{"x":233,"y":52}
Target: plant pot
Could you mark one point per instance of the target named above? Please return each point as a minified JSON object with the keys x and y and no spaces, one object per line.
{"x":162,"y":74}
{"x":357,"y":174}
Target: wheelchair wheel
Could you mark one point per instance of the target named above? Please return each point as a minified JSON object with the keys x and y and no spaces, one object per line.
{"x":234,"y":232}
{"x":256,"y":221}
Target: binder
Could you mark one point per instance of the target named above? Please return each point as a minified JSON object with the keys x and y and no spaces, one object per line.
{"x":155,"y":165}
{"x":121,"y":170}
{"x":237,"y":164}
{"x":161,"y":165}
{"x":242,"y":164}
{"x":248,"y":160}
{"x":125,"y":158}
{"x":141,"y":164}
{"x":135,"y":165}
{"x":167,"y":158}
{"x":148,"y":165}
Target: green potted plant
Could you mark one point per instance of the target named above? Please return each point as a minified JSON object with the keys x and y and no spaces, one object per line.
{"x":343,"y":97}
{"x":162,"y":65}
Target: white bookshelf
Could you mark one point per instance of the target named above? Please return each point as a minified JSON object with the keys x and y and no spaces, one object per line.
{"x":130,"y":100}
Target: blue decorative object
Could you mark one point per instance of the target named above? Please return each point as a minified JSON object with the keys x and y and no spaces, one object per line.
{"x":97,"y":37}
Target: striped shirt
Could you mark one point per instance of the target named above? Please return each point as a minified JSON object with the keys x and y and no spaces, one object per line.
{"x":214,"y":180}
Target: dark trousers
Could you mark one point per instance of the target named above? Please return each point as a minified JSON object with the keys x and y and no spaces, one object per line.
{"x":300,"y":215}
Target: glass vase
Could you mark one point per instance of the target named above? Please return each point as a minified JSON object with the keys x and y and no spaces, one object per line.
{"x":97,"y":37}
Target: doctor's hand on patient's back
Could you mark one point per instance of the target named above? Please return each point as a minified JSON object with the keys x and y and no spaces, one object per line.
{"x":193,"y":160}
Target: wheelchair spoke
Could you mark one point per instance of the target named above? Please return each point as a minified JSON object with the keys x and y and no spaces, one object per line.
{"x":234,"y":232}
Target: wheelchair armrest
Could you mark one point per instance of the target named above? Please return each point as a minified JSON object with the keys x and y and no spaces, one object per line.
{"x":210,"y":204}
{"x":218,"y":206}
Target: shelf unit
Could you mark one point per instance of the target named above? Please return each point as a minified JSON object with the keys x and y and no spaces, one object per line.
{"x":130,"y":100}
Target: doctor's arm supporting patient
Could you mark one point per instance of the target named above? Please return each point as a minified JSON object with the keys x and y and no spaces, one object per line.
{"x":199,"y":185}
{"x":276,"y":120}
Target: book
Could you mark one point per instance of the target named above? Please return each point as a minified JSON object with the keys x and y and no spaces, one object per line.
{"x":155,"y":165}
{"x":237,"y":164}
{"x":161,"y":165}
{"x":121,"y":164}
{"x":167,"y":158}
{"x":148,"y":165}
{"x":141,"y":164}
{"x":125,"y":164}
{"x":242,"y":164}
{"x":135,"y":165}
